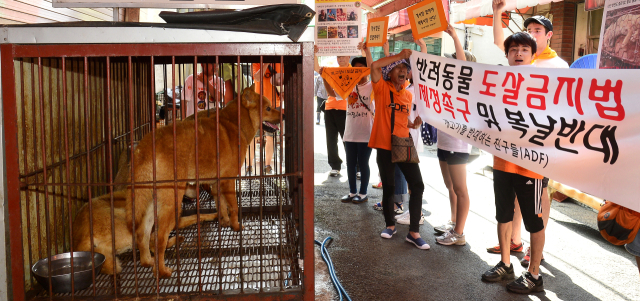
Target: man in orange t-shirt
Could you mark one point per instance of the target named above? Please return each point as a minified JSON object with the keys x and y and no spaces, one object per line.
{"x":335,"y":116}
{"x":511,"y":181}
{"x":270,"y":76}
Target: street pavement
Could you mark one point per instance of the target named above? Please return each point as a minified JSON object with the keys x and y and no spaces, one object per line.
{"x":578,"y":263}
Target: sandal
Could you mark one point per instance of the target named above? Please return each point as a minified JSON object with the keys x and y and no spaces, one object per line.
{"x":377,"y":206}
{"x":378,"y":186}
{"x":398,"y":209}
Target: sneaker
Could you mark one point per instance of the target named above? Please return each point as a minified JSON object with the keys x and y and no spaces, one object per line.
{"x":358,"y":174}
{"x":359,"y":200}
{"x":451,"y":238}
{"x":444,"y":228}
{"x":406,"y":220}
{"x":418,"y":242}
{"x":388,"y":233}
{"x":318,"y":122}
{"x":334,"y":173}
{"x":527,"y":257}
{"x":248,"y":171}
{"x":499,"y":272}
{"x":268,"y":170}
{"x":378,"y":186}
{"x":347,"y":198}
{"x":406,"y":213}
{"x":513,"y":247}
{"x":526,"y":284}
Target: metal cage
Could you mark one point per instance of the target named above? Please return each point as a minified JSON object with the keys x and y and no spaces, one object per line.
{"x":73,"y":112}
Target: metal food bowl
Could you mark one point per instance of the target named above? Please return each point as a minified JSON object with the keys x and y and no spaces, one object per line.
{"x":61,"y":271}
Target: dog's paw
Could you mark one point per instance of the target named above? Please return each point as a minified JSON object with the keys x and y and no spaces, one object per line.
{"x":166,"y":272}
{"x":147,"y":262}
{"x":237,"y":227}
{"x":225,"y":223}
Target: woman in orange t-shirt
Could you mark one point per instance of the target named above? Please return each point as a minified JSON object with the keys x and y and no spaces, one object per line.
{"x":388,"y":76}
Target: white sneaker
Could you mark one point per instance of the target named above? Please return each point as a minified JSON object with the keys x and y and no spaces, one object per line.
{"x":445,"y":228}
{"x":334,"y":173}
{"x":406,"y":220}
{"x":358,"y":175}
{"x":451,"y":238}
{"x":399,"y":216}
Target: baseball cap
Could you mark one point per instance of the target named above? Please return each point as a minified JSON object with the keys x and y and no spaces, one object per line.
{"x":467,"y":54}
{"x":540,"y":20}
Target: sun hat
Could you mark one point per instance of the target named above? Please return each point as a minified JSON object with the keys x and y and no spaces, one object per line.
{"x":387,"y":69}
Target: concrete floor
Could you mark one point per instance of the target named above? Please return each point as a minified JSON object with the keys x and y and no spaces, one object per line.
{"x":579,"y":264}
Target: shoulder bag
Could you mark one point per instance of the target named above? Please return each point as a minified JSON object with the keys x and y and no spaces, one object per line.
{"x":402,"y":149}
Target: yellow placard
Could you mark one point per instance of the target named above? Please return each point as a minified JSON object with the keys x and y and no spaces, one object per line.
{"x":377,"y":31}
{"x":426,"y":18}
{"x":343,"y":80}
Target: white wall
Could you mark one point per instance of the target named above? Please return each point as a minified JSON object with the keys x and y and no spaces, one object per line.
{"x":481,"y":42}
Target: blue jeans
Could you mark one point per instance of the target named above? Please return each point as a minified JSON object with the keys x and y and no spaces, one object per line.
{"x":358,"y":154}
{"x":401,"y":193}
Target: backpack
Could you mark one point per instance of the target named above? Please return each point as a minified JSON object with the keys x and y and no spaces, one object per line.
{"x":429,"y":134}
{"x":617,"y":224}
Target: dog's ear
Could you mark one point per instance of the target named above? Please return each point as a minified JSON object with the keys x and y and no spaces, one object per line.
{"x":249,"y":96}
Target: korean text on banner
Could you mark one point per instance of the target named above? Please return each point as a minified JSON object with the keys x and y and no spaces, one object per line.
{"x":344,"y":80}
{"x":426,"y":18}
{"x":337,"y":30}
{"x":618,"y":35}
{"x":377,"y":31}
{"x":574,"y":126}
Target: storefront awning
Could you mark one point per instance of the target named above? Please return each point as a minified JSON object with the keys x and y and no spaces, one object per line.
{"x":481,"y":8}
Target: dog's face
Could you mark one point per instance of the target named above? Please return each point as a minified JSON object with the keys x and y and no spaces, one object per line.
{"x":270,"y":115}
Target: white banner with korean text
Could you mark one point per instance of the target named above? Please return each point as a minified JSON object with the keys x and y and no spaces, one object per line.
{"x":575,"y":126}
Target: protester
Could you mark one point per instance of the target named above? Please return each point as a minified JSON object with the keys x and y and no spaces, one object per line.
{"x":335,"y":115}
{"x":511,"y":180}
{"x":541,"y":29}
{"x":359,"y":119}
{"x":416,"y":114}
{"x":453,"y":155}
{"x":320,"y":93}
{"x":388,"y":76}
{"x":206,"y":97}
{"x":634,"y":249}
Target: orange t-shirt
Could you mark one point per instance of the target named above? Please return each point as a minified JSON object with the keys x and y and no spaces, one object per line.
{"x":506,"y":166}
{"x":381,"y":131}
{"x":269,"y":89}
{"x":335,"y":104}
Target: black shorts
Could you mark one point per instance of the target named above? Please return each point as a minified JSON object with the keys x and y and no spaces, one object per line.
{"x":452,"y":158}
{"x":506,"y":186}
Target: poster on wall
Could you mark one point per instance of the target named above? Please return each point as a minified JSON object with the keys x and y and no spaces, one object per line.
{"x":426,"y":18}
{"x":619,"y":42}
{"x":377,"y":31}
{"x":337,"y":30}
{"x":575,"y":126}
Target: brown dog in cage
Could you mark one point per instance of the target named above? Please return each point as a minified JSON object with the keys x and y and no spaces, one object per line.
{"x":101,"y":208}
{"x":230,"y":128}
